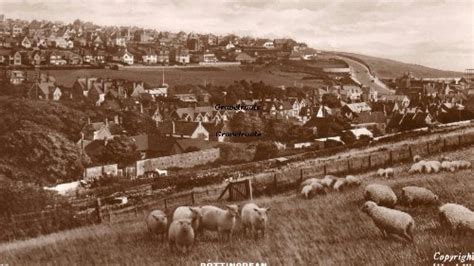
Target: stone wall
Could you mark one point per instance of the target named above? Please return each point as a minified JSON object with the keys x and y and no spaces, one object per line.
{"x":183,"y":160}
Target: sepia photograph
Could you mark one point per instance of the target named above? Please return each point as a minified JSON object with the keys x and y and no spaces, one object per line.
{"x":237,"y":132}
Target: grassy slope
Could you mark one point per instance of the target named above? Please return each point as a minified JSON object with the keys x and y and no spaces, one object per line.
{"x":328,"y":229}
{"x":221,"y":76}
{"x":387,"y":68}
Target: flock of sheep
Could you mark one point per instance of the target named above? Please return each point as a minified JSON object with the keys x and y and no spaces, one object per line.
{"x":188,"y":223}
{"x":381,"y":199}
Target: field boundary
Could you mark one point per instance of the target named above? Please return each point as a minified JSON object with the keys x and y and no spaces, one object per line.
{"x":272,"y":181}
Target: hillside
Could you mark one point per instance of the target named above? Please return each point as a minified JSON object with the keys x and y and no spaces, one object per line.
{"x":388,"y":68}
{"x":37,"y":140}
{"x":327,"y":230}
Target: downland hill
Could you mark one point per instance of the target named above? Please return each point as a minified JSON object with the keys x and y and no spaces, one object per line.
{"x":388,"y":68}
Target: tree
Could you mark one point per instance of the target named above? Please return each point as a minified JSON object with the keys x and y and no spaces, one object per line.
{"x":121,"y":150}
{"x":246,"y":122}
{"x":277,"y":129}
{"x":330,"y":100}
{"x":265,"y":150}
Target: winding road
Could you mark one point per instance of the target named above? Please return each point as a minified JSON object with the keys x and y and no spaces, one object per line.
{"x":361,"y":73}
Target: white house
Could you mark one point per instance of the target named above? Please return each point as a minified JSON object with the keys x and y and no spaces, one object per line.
{"x":269,"y":45}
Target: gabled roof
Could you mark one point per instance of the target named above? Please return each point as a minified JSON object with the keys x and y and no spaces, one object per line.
{"x":370,"y":117}
{"x":185,"y":144}
{"x":180,"y":127}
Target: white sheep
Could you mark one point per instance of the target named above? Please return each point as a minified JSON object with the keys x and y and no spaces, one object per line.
{"x":157,"y":223}
{"x":217,"y":219}
{"x":412,"y":195}
{"x":192,"y":213}
{"x":381,"y":172}
{"x":381,"y":194}
{"x":387,"y":172}
{"x":432,"y":166}
{"x":390,"y":221}
{"x":417,"y":168}
{"x":254,"y":219}
{"x":448,"y":166}
{"x":339,"y":184}
{"x":466,"y":225}
{"x":181,"y":235}
{"x":353,"y":181}
{"x":313,"y":188}
{"x":306,"y":191}
{"x":309,"y":181}
{"x":416,"y":158}
{"x":463,"y":164}
{"x":451,"y":215}
{"x":328,"y":181}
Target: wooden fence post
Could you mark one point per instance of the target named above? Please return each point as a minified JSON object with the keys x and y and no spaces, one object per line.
{"x":459,"y":140}
{"x":99,"y":210}
{"x":325,"y":170}
{"x":193,"y":200}
{"x":444,"y":145}
{"x":301,"y":175}
{"x":166,"y":204}
{"x":13,"y":223}
{"x":136,"y":211}
{"x":275,"y":185}
{"x":410,"y":151}
{"x":250,"y":188}
{"x":348,"y":166}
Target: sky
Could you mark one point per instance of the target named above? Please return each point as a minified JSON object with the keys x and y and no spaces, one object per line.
{"x":434,"y":33}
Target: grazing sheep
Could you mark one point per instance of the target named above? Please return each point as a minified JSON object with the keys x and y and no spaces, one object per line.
{"x":387,"y":172}
{"x":309,"y":181}
{"x":416,"y":158}
{"x":327,"y":181}
{"x":381,"y":172}
{"x":463,"y":164}
{"x":181,"y":235}
{"x":390,"y":221}
{"x":306,"y":191}
{"x":192,"y":213}
{"x":254,"y":219}
{"x":339,"y":184}
{"x":353,"y":181}
{"x":309,"y":190}
{"x":417,"y":168}
{"x":466,"y":225}
{"x":381,"y":194}
{"x":432,"y":166}
{"x":412,"y":195}
{"x":157,"y":223}
{"x":217,"y":219}
{"x":448,"y":166}
{"x":451,"y":215}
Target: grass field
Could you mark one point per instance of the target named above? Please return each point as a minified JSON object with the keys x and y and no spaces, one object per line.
{"x":326,"y":230}
{"x":218,"y":76}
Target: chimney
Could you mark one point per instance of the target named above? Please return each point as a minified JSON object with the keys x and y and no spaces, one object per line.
{"x":174,"y":127}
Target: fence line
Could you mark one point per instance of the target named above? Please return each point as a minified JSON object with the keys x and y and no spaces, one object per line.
{"x":266,"y":182}
{"x":271,"y":182}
